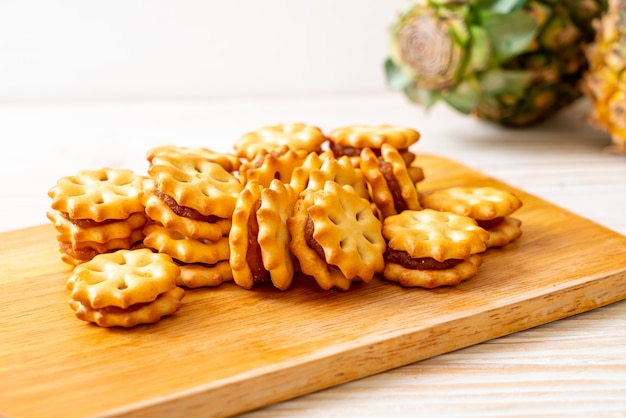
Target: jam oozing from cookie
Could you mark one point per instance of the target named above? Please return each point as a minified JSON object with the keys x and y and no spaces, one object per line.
{"x":118,"y":310}
{"x":340,"y":150}
{"x":87,"y":223}
{"x":309,"y":228}
{"x":490,"y":223}
{"x":424,"y":263}
{"x":386,"y":169}
{"x":184,"y":211}
{"x":254,"y":256}
{"x":83,"y":254}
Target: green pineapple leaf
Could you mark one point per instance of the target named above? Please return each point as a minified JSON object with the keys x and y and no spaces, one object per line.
{"x":498,"y":81}
{"x":464,"y":96}
{"x":499,"y":6}
{"x":427,"y":98}
{"x":479,"y":53}
{"x":511,"y":34}
{"x":396,"y":76}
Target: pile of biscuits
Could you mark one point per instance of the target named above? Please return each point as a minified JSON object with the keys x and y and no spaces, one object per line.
{"x":290,"y":202}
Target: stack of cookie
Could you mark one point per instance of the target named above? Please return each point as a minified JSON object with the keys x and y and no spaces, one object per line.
{"x":125,"y":288}
{"x":190,"y":205}
{"x":97,"y":211}
{"x":259,"y":239}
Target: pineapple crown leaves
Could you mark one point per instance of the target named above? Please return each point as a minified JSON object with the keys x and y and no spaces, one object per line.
{"x":470,"y":41}
{"x":471,"y":35}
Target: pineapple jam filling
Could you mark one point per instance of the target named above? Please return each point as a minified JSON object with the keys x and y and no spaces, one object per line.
{"x":309,"y":228}
{"x":424,"y":263}
{"x":184,"y":211}
{"x":118,"y":310}
{"x":254,"y":256}
{"x":86,"y":253}
{"x":87,"y":223}
{"x":394,"y":187}
{"x":490,"y":223}
{"x":341,"y":150}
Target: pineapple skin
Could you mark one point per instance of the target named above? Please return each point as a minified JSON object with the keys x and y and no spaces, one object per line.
{"x":605,"y":81}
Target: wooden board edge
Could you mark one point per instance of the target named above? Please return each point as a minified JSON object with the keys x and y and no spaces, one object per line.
{"x":333,"y":367}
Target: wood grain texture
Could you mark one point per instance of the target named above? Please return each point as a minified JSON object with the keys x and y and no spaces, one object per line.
{"x":230,"y":350}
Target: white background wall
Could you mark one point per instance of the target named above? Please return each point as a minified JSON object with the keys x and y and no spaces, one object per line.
{"x":144,"y":49}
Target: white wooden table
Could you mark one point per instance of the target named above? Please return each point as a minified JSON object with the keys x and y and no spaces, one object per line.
{"x":575,"y":366}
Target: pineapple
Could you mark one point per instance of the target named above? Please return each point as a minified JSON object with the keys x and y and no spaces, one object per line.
{"x":605,"y":81}
{"x":512,"y":62}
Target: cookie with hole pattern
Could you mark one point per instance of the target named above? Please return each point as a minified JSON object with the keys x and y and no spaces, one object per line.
{"x":317,"y":169}
{"x":125,"y":288}
{"x":192,"y":185}
{"x":295,"y":136}
{"x":186,"y":222}
{"x":350,"y":140}
{"x":268,"y":165}
{"x":336,"y":237}
{"x":491,"y":207}
{"x":98,"y":195}
{"x":428,"y":248}
{"x":228,"y":161}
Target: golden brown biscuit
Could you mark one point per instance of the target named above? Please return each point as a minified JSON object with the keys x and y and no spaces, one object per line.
{"x":352,"y":139}
{"x":194,"y":184}
{"x":96,"y":211}
{"x":269,"y":165}
{"x":100,"y":232}
{"x":489,"y":206}
{"x":317,"y":169}
{"x":185,"y":249}
{"x":336,"y":237}
{"x":429,"y":248}
{"x":294,"y":136}
{"x":98,"y":195}
{"x":166,"y":304}
{"x":390,"y":185}
{"x":102,"y":247}
{"x":506,"y":230}
{"x":230,"y":162}
{"x":259,"y":238}
{"x":195,"y":275}
{"x":197,"y":227}
{"x":125,"y":288}
{"x":312,"y":161}
{"x":416,"y":173}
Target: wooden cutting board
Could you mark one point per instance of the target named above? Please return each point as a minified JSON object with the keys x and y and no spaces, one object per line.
{"x":230,"y":350}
